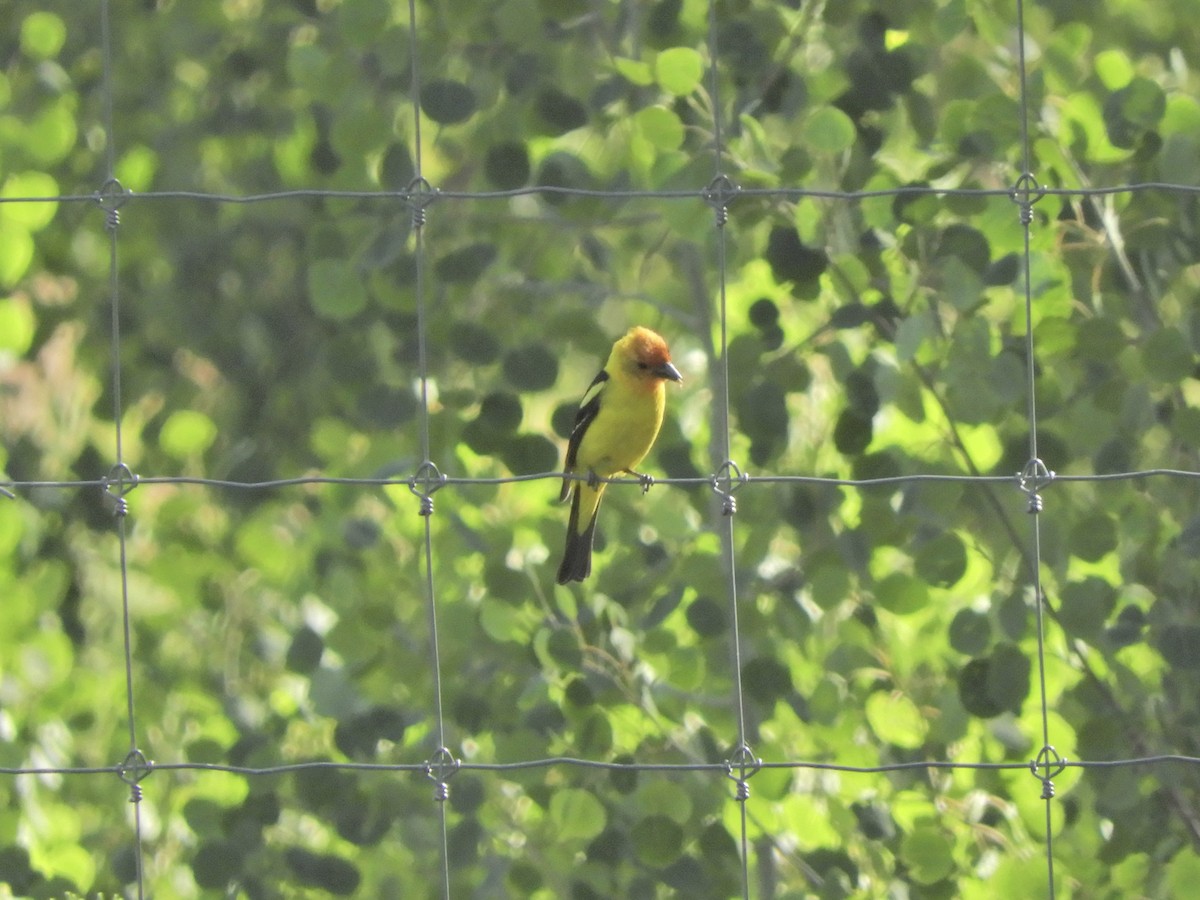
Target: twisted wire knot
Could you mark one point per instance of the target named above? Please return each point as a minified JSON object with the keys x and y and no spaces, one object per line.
{"x":1053,"y":765}
{"x":111,"y":197}
{"x":740,"y":768}
{"x":440,"y":769}
{"x":119,"y":481}
{"x":717,"y":195}
{"x":423,"y":485}
{"x":132,"y":769}
{"x":420,"y":194}
{"x":1030,"y":482}
{"x":1025,"y":193}
{"x":727,"y":479}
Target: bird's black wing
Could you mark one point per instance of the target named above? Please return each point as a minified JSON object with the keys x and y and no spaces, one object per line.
{"x":583,"y":418}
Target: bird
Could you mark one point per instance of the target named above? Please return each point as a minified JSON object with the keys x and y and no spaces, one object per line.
{"x":614,"y":429}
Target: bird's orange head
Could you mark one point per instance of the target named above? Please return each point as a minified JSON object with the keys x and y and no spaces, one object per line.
{"x":646,"y":356}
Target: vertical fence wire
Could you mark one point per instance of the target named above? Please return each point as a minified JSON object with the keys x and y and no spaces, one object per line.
{"x":442,"y":763}
{"x":120,"y":480}
{"x":1037,"y":475}
{"x":740,"y":766}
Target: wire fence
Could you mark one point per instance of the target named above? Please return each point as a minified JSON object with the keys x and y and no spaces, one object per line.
{"x":728,"y":478}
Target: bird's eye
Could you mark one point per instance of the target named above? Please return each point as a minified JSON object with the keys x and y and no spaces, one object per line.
{"x":642,"y":365}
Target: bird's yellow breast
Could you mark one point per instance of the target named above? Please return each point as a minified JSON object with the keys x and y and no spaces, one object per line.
{"x":624,"y":429}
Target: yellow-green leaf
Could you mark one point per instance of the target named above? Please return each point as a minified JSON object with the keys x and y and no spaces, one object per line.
{"x":16,"y":253}
{"x":634,"y":71}
{"x":35,"y":214}
{"x":1114,"y":69}
{"x":17,"y":324}
{"x":187,"y":433}
{"x":335,"y":290}
{"x":678,"y":70}
{"x":660,"y":126}
{"x":42,"y":35}
{"x":829,"y":130}
{"x":895,"y":719}
{"x":576,"y":814}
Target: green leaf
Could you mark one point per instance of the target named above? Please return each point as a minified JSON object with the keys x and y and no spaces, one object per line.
{"x":660,"y":126}
{"x":929,"y":854}
{"x":902,"y":594}
{"x":507,"y":165}
{"x":16,"y":253}
{"x":465,"y":264}
{"x":1179,"y":159}
{"x":657,"y":840}
{"x":335,"y":289}
{"x":308,"y":66}
{"x":187,"y":433}
{"x":136,"y":168}
{"x":1008,"y":677}
{"x":503,"y":622}
{"x":42,"y":35}
{"x":323,"y":870}
{"x":576,"y":814}
{"x":1143,"y":102}
{"x":17,"y":325}
{"x":1101,"y":338}
{"x":678,"y":70}
{"x":970,"y":632}
{"x":1085,"y":606}
{"x":829,"y":130}
{"x":942,"y":562}
{"x":531,"y":367}
{"x":1182,"y":874}
{"x":1167,"y":356}
{"x":896,"y":720}
{"x":1114,"y":68}
{"x":1093,"y":536}
{"x":304,"y":653}
{"x":52,"y":133}
{"x":634,"y":71}
{"x":448,"y":102}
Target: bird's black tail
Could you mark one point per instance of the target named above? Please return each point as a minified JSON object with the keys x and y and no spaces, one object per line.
{"x":577,"y":556}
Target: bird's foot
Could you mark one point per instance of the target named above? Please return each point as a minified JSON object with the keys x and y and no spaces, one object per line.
{"x":646,"y":481}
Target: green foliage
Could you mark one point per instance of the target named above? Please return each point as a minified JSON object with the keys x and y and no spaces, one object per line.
{"x":877,"y":338}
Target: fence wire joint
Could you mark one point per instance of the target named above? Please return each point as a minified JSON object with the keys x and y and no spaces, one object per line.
{"x":727,"y":479}
{"x":1031,"y":480}
{"x":740,"y":768}
{"x":133,"y":768}
{"x":440,"y":769}
{"x":117,"y":484}
{"x":420,"y":194}
{"x":1052,"y":764}
{"x":717,"y":195}
{"x":1025,"y":193}
{"x":423,"y":485}
{"x":111,"y":197}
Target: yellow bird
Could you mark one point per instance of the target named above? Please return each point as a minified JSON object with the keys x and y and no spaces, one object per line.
{"x":614,"y":429}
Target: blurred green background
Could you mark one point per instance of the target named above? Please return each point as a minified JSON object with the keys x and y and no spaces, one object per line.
{"x":868,"y":337}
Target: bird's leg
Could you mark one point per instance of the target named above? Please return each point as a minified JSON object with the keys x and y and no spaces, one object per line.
{"x":593,"y":480}
{"x":645,"y":480}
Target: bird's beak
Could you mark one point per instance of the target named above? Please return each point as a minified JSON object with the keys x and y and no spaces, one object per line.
{"x":669,"y":372}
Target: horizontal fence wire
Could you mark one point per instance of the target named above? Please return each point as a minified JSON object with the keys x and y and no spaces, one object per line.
{"x":552,"y":762}
{"x":724,"y":479}
{"x":745,"y":479}
{"x":732,"y":193}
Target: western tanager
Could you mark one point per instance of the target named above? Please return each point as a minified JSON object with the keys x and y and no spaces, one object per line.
{"x":614,"y":429}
